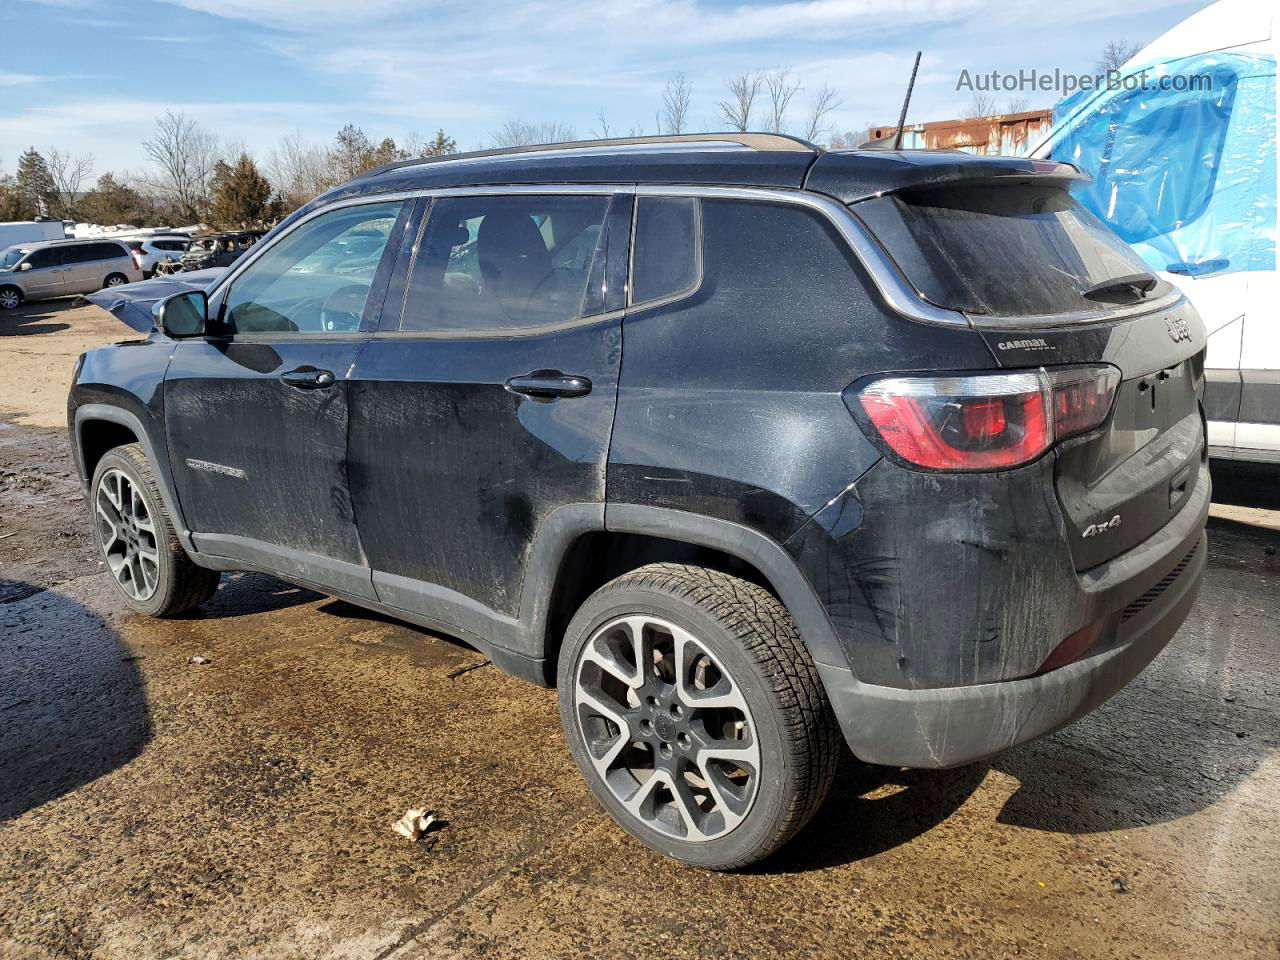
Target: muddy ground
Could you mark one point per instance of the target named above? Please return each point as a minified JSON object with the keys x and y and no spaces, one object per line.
{"x":151,"y":807}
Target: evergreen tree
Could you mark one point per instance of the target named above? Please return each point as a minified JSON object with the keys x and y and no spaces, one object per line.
{"x":350,"y":155}
{"x":241,"y":194}
{"x":441,"y":145}
{"x":113,"y":202}
{"x":35,"y":183}
{"x":12,"y":204}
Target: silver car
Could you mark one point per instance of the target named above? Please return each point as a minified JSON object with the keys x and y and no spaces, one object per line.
{"x":59,"y":268}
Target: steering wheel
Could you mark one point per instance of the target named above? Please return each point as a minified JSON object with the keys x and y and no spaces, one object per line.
{"x":343,"y":308}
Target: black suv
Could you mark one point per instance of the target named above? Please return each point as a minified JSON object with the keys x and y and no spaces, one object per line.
{"x":740,"y":443}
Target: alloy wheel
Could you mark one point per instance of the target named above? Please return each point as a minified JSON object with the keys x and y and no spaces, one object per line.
{"x":9,"y":299}
{"x":667,"y":728}
{"x":115,"y":281}
{"x":127,"y":533}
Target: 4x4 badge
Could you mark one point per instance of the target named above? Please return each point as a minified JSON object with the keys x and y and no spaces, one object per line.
{"x":1178,"y":329}
{"x":1094,"y":529}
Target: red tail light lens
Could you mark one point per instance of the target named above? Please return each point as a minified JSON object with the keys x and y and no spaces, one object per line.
{"x":137,"y":258}
{"x":988,"y":421}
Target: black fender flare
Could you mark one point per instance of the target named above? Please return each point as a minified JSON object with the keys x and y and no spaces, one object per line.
{"x":164,"y":477}
{"x":757,"y":549}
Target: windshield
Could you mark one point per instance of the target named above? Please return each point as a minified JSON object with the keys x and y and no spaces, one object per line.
{"x":1022,"y":249}
{"x":9,"y":257}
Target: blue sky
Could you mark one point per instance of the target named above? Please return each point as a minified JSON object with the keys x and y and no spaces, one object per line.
{"x":90,"y":77}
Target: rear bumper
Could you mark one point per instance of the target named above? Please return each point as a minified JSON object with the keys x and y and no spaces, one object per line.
{"x":950,"y":726}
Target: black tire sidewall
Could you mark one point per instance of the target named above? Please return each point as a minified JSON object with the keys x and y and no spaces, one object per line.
{"x":116,"y":460}
{"x":756,"y":835}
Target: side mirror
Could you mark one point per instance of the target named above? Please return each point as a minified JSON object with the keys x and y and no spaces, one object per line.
{"x":24,"y":265}
{"x":183,"y":314}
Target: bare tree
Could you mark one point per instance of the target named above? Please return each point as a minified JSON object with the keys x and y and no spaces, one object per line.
{"x":982,"y":105}
{"x":604,"y":131}
{"x":298,"y":170}
{"x":68,"y":174}
{"x":675,"y":104}
{"x":185,"y":156}
{"x":819,"y":109}
{"x":1115,"y":54}
{"x":1017,"y":105}
{"x":522,"y":133}
{"x":736,"y":111}
{"x":781,"y":90}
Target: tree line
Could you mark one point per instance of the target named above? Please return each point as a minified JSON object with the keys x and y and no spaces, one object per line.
{"x":193,"y":177}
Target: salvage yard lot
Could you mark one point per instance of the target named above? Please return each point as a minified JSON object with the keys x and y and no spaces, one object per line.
{"x":154,"y":807}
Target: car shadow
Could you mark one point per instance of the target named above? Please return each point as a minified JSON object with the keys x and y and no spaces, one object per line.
{"x":28,"y":319}
{"x":243,"y":594}
{"x":1243,"y":484}
{"x":72,"y":700}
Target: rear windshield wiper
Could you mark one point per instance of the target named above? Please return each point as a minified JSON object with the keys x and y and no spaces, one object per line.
{"x":1121,"y":289}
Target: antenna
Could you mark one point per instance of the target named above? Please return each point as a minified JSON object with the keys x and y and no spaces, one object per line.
{"x":902,"y":118}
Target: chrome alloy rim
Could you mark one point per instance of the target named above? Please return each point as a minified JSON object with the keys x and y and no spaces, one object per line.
{"x":115,"y":282}
{"x":667,"y":728}
{"x":9,"y":299}
{"x":127,"y":534}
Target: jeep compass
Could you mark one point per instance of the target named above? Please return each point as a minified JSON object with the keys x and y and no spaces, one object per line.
{"x":746,"y":446}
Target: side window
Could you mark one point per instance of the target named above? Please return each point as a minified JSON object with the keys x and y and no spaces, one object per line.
{"x":78,"y":253}
{"x":502,"y":263}
{"x":48,"y":257}
{"x":316,"y":278}
{"x":108,"y":251}
{"x":667,"y":259}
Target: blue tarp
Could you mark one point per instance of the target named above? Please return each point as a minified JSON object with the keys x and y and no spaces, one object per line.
{"x":1184,"y":168}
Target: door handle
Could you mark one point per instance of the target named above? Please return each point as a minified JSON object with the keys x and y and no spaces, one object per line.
{"x":308,"y":378}
{"x":549,"y":385}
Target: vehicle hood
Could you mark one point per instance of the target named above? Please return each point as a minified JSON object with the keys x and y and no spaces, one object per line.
{"x":131,"y":304}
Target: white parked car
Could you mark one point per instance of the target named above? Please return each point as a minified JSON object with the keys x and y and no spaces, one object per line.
{"x":149,"y":251}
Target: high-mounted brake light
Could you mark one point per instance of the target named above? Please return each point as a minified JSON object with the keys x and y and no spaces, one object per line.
{"x":986,"y":421}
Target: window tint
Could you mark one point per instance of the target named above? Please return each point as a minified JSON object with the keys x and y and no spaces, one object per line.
{"x":495,"y":263}
{"x":106,"y":251}
{"x":315,"y":279}
{"x":1002,"y":250}
{"x":48,"y":257}
{"x":668,"y":248}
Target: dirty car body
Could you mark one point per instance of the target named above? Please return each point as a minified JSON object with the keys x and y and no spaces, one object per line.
{"x":979,"y":495}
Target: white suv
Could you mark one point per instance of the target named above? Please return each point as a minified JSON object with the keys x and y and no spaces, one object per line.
{"x":151,"y":250}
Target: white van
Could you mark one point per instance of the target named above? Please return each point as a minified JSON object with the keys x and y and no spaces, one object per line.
{"x":30,"y":231}
{"x":1183,"y":156}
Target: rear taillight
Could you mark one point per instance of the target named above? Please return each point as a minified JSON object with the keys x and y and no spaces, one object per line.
{"x":985,"y":421}
{"x":137,"y":258}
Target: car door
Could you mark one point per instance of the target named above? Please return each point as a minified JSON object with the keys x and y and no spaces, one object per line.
{"x":44,"y":278}
{"x":485,"y":402}
{"x":256,"y":414}
{"x":81,"y":272}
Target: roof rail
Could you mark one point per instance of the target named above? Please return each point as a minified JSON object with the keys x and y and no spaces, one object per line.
{"x":688,"y":141}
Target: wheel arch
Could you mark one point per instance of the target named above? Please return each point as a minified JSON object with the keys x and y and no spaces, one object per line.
{"x":98,"y":428}
{"x":633,"y":535}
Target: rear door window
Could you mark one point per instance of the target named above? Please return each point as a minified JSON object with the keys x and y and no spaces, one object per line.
{"x":1006,"y":250}
{"x":667,"y":260}
{"x":487,"y":263}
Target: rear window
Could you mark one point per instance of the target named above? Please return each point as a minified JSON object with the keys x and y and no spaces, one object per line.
{"x":1006,"y":250}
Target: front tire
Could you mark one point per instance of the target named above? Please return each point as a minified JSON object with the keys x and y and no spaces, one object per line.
{"x":136,"y":538}
{"x":694,"y":711}
{"x":10,"y":298}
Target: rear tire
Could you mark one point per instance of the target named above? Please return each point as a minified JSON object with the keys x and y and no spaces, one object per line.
{"x":694,"y":711}
{"x":10,"y":298}
{"x":115,"y":280}
{"x":137,"y":541}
